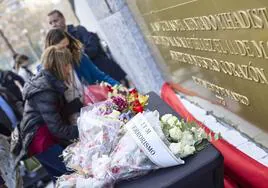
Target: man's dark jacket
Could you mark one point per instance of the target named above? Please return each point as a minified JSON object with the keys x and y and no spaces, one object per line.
{"x":94,"y":50}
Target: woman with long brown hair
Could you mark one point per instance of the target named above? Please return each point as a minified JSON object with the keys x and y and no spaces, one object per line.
{"x":85,"y":72}
{"x":83,"y":66}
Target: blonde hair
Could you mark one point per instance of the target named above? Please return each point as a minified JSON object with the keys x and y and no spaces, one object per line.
{"x":54,"y":60}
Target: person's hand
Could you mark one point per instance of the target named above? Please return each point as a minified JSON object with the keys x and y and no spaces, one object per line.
{"x":18,"y":84}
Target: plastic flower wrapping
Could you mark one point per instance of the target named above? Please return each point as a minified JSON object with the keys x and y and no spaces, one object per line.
{"x":113,"y":147}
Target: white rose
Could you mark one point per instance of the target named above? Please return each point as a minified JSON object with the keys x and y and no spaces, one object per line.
{"x":175,"y":133}
{"x":201,"y":134}
{"x":172,"y":121}
{"x":193,"y":129}
{"x":187,"y":138}
{"x":176,"y":148}
{"x":178,"y":124}
{"x":165,"y":117}
{"x":187,"y":150}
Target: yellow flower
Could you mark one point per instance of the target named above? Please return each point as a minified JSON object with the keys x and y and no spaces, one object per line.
{"x":131,"y":98}
{"x":143,"y":99}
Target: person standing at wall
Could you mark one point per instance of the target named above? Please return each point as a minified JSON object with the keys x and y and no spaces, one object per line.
{"x":92,"y":46}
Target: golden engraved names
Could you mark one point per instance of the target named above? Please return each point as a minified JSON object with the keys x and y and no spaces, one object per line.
{"x":250,"y":48}
{"x":216,"y":49}
{"x":222,"y":92}
{"x":246,"y":72}
{"x":241,"y":19}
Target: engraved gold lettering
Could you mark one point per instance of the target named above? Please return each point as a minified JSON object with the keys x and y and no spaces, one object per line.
{"x":200,"y":23}
{"x":242,"y":72}
{"x":226,"y":68}
{"x":233,"y":70}
{"x":241,"y":47}
{"x":211,"y":21}
{"x":221,"y":21}
{"x":252,"y":73}
{"x":261,"y":75}
{"x":263,"y":12}
{"x":238,"y":21}
{"x":247,"y":48}
{"x":180,"y":25}
{"x":173,"y":55}
{"x":259,"y":48}
{"x":218,"y":45}
{"x":229,"y":20}
{"x":246,"y":72}
{"x":173,"y":25}
{"x":155,"y":26}
{"x":235,"y":47}
{"x":230,"y":47}
{"x":220,"y":91}
{"x":244,"y":100}
{"x":245,"y":67}
{"x":188,"y":24}
{"x":256,"y":19}
{"x":251,"y":18}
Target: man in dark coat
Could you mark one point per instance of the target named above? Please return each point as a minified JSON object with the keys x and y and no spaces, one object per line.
{"x":92,"y":46}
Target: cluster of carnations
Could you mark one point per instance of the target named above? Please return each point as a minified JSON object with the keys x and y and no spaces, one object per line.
{"x":126,"y":99}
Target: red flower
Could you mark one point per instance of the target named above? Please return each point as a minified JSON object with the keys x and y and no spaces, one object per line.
{"x":138,"y":108}
{"x":136,"y":103}
{"x":133,"y":91}
{"x":110,"y":89}
{"x":115,"y":170}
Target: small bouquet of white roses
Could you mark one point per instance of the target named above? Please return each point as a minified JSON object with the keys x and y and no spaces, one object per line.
{"x":185,"y":138}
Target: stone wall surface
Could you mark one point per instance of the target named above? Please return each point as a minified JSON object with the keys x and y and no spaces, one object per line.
{"x":127,"y":43}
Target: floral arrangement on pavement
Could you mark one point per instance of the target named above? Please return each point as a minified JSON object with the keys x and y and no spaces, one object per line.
{"x":108,"y":116}
{"x":186,"y":138}
{"x":107,"y":152}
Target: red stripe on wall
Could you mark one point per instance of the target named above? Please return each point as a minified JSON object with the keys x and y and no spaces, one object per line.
{"x":240,"y":170}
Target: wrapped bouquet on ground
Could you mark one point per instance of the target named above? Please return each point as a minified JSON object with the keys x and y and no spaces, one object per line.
{"x":118,"y":142}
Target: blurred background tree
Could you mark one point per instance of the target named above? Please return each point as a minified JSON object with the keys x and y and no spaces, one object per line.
{"x":23,"y":24}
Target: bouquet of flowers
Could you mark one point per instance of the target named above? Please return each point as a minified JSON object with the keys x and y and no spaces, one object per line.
{"x":127,"y":99}
{"x":112,"y":148}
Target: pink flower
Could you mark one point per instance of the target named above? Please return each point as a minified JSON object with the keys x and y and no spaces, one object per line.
{"x":115,"y":170}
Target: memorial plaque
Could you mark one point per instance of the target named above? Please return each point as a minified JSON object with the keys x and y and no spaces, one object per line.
{"x":217,"y":50}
